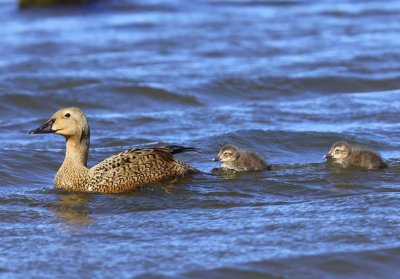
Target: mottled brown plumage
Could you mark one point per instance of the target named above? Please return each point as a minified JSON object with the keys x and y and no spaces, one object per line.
{"x":346,"y":154}
{"x":240,"y":160}
{"x":123,"y":172}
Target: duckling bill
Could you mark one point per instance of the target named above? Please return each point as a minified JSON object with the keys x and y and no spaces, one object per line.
{"x":234,"y":158}
{"x":123,"y":172}
{"x":346,"y":154}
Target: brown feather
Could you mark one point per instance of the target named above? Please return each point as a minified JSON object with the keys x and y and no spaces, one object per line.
{"x":133,"y":168}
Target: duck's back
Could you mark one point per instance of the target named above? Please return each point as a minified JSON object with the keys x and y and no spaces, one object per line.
{"x":133,"y":168}
{"x":367,"y":159}
{"x":251,"y":161}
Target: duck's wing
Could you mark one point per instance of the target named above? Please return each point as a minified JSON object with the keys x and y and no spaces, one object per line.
{"x":135,"y":167}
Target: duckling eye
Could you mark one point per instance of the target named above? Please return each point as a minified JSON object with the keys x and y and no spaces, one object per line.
{"x":67,"y":115}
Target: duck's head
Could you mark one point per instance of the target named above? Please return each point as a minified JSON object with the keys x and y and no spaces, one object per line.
{"x":68,"y":122}
{"x":228,"y":153}
{"x":339,"y":150}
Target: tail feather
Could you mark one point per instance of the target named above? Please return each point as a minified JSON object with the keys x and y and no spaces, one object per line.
{"x":179,"y":149}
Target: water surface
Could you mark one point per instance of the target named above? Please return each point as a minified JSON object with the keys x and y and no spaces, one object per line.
{"x":285,"y":78}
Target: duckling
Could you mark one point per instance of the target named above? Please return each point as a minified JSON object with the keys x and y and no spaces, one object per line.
{"x":346,"y":154}
{"x":240,"y":160}
{"x":123,"y":172}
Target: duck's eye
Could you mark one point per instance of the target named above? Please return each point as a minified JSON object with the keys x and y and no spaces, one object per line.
{"x":67,"y":115}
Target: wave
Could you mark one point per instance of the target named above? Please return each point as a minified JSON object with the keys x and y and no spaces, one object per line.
{"x":379,"y":263}
{"x":125,"y":98}
{"x":280,"y":87}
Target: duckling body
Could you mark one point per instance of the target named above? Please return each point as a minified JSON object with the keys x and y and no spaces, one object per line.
{"x":240,"y":160}
{"x":346,"y":154}
{"x":123,"y":172}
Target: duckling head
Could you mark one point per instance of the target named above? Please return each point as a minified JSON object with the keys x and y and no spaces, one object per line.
{"x":68,"y":122}
{"x":228,"y":153}
{"x":339,"y":151}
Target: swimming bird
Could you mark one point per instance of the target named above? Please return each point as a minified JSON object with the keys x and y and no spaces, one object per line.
{"x":237,"y":159}
{"x":120,"y":173}
{"x":346,"y":154}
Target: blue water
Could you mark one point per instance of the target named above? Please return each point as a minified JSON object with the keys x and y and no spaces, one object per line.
{"x":284,"y":78}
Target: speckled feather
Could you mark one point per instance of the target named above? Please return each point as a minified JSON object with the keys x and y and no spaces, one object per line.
{"x":130,"y":169}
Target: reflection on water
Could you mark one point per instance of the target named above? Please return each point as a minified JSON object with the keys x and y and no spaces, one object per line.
{"x":230,"y":174}
{"x":72,"y":208}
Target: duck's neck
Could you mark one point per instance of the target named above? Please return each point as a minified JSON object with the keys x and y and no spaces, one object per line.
{"x":73,"y":174}
{"x":76,"y":152}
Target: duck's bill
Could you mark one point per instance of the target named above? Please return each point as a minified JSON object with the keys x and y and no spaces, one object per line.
{"x":216,"y":159}
{"x":327,"y":156}
{"x":45,"y":128}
